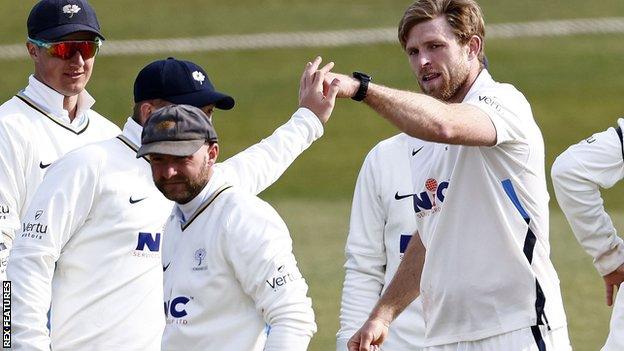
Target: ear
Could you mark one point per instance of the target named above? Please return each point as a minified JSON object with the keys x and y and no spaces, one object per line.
{"x":32,"y":51}
{"x":475,"y":45}
{"x":213,"y":153}
{"x":146,"y":109}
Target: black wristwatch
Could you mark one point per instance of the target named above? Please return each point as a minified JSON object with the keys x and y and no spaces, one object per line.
{"x":364,"y":80}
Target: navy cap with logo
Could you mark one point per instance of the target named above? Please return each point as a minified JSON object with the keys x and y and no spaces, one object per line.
{"x":178,"y":130}
{"x":53,"y":19}
{"x":179,"y":82}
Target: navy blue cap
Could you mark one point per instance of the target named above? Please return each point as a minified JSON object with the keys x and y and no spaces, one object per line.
{"x":179,"y":82}
{"x":178,"y":130}
{"x":53,"y":19}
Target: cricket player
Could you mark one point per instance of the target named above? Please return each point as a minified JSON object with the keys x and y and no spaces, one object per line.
{"x":52,"y":115}
{"x":577,"y":174}
{"x":231,"y":281}
{"x":90,"y":244}
{"x":380,"y":229}
{"x":479,"y":257}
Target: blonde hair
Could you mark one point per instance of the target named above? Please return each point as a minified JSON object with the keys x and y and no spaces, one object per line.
{"x":464,"y":17}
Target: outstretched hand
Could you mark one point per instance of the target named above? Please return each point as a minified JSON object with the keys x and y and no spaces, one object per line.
{"x":312,"y":95}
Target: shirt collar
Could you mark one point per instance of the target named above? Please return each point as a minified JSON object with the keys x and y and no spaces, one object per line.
{"x":185,"y":211}
{"x":132,"y":130}
{"x":484,"y":78}
{"x":52,"y":102}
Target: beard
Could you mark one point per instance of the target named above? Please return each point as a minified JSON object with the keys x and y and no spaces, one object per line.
{"x":451,"y":85}
{"x":183,"y":189}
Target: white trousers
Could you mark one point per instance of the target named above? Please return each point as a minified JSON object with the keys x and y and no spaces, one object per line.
{"x":527,"y":339}
{"x":615,"y":341}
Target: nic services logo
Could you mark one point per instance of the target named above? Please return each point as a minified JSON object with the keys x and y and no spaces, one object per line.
{"x":148,"y":245}
{"x":175,"y":310}
{"x":427,"y":200}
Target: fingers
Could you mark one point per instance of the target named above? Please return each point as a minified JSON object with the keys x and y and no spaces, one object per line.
{"x":328,"y":67}
{"x":311,"y":70}
{"x":354,"y":342}
{"x":366,"y":341}
{"x":310,"y":73}
{"x":304,"y":76}
{"x":319,"y":76}
{"x":334,"y":88}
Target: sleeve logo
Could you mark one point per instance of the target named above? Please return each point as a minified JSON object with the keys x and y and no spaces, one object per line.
{"x":4,"y":211}
{"x":283,"y":277}
{"x":492,"y":102}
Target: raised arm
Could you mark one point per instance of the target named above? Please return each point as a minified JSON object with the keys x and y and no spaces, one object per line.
{"x":422,"y":116}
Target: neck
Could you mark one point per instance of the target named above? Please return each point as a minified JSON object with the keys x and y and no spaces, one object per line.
{"x":465,"y":88}
{"x":70,"y":103}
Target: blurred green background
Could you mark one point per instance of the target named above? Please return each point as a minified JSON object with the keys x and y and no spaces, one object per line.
{"x":574,"y":84}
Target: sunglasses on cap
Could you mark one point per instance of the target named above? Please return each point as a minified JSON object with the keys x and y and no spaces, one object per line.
{"x":67,"y":49}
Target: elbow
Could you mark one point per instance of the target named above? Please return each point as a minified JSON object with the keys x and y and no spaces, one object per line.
{"x":443,"y":133}
{"x":446,"y":133}
{"x":559,"y":170}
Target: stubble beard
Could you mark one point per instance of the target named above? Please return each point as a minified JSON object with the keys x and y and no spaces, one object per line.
{"x":458,"y":77}
{"x":193,"y":186}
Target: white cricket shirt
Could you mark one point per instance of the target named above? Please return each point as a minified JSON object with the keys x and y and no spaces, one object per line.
{"x":34,"y":132}
{"x":90,"y":241}
{"x":231,"y":281}
{"x":482,"y":213}
{"x":379,"y":232}
{"x":578,"y":174}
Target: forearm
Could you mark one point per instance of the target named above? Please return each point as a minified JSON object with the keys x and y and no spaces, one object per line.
{"x":580,"y":200}
{"x":405,"y":286}
{"x":362,"y":287}
{"x":282,"y":338}
{"x":31,"y":273}
{"x":260,"y":165}
{"x":427,"y":118}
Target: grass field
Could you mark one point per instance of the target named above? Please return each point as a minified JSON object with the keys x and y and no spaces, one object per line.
{"x":573,"y":83}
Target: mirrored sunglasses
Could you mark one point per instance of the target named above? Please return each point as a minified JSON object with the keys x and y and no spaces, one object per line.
{"x":67,"y":49}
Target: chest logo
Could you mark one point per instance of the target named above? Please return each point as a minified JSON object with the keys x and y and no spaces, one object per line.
{"x":176,"y":308}
{"x":414,"y":151}
{"x":429,"y":199}
{"x":148,"y":246}
{"x":134,"y":201}
{"x":200,"y":255}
